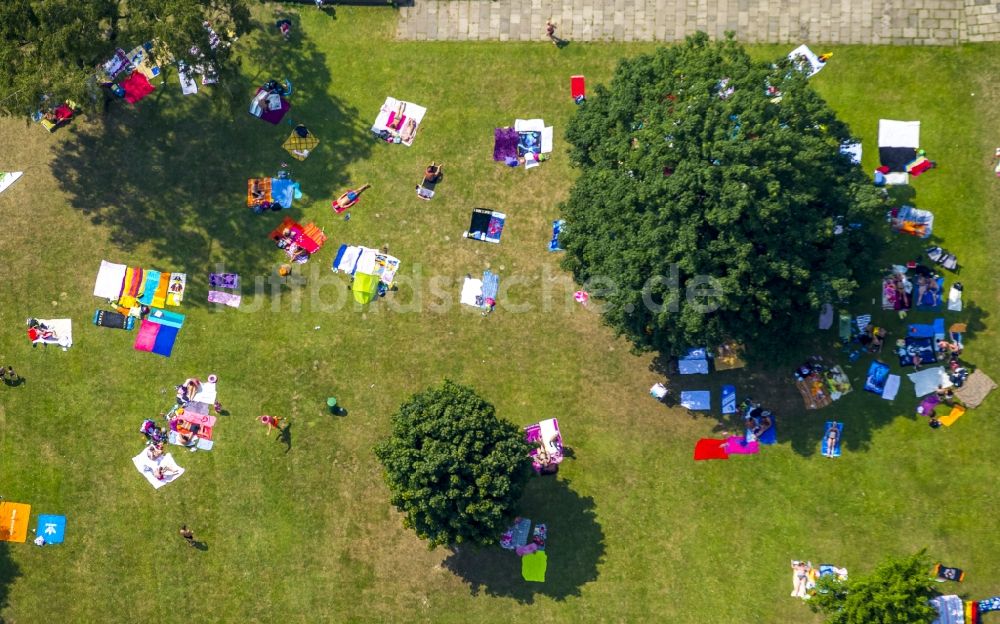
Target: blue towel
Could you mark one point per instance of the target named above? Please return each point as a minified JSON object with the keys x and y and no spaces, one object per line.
{"x":149,"y":288}
{"x":556,"y":231}
{"x":770,"y":436}
{"x":878,"y":374}
{"x":696,"y":399}
{"x":165,"y":338}
{"x":840,"y":437}
{"x":931,"y":299}
{"x":166,"y":318}
{"x":920,"y":330}
{"x":283,"y":191}
{"x":938,"y":329}
{"x":491,"y":283}
{"x":729,"y":399}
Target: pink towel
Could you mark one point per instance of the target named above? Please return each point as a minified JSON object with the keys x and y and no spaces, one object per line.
{"x":527,"y":549}
{"x":736,"y":445}
{"x":229,"y":299}
{"x":146,"y":338}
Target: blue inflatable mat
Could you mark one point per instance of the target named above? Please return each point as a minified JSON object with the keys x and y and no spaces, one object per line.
{"x":878,"y":374}
{"x":825,"y":445}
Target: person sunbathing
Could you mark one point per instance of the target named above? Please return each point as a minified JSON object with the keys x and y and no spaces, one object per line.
{"x":762,"y":425}
{"x":800,"y":579}
{"x":398,"y":117}
{"x":925,"y":285}
{"x":162,"y":473}
{"x":410,"y":129}
{"x":832,"y":438}
{"x":433,"y":173}
{"x":154,"y":451}
{"x":349,"y":198}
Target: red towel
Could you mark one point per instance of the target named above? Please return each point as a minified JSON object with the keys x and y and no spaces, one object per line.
{"x":709,"y":448}
{"x":63,"y":112}
{"x":920,"y":165}
{"x":577,"y":86}
{"x":136,"y":87}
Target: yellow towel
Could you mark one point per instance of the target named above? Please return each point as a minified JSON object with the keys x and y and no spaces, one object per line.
{"x":955,"y":414}
{"x":160,"y":296}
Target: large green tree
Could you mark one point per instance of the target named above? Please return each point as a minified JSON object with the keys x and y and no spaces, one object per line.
{"x":453,"y":468}
{"x":896,"y":592}
{"x":54,"y":47}
{"x":713,"y":202}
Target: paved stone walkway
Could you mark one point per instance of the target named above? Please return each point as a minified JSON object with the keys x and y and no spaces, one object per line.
{"x":898,"y":22}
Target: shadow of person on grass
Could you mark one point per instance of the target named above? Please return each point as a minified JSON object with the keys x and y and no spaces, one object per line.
{"x":9,"y":571}
{"x":285,"y":436}
{"x":574,"y":547}
{"x":171,"y":172}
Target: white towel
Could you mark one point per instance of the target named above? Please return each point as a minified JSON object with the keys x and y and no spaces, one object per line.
{"x":529,"y":125}
{"x":547,"y":139}
{"x":812,"y":63}
{"x":189,"y":86}
{"x":891,"y":387}
{"x":955,"y":299}
{"x":63,"y":329}
{"x":110,"y":279}
{"x":349,"y":260}
{"x":206,"y":394}
{"x":897,"y":178}
{"x":471,"y":289}
{"x":145,"y":466}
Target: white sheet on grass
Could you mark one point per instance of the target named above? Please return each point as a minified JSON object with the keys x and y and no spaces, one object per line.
{"x":811,"y":64}
{"x":411,"y":111}
{"x":471,"y":289}
{"x":188,"y":84}
{"x":853,"y":150}
{"x":145,"y":466}
{"x":891,"y":387}
{"x":892,"y":133}
{"x":349,"y":260}
{"x":954,"y":299}
{"x":7,"y":178}
{"x":929,"y":380}
{"x":547,"y":139}
{"x":63,"y":329}
{"x":110,"y":279}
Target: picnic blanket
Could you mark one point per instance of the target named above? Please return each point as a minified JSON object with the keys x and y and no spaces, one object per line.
{"x":557,"y":227}
{"x":696,"y":400}
{"x":117,"y":64}
{"x":140,"y":59}
{"x":897,"y":143}
{"x":929,"y":380}
{"x":951,"y":610}
{"x":710,"y":448}
{"x":229,"y":299}
{"x":931,"y":299}
{"x":300,"y":146}
{"x":136,"y":87}
{"x":912,"y":221}
{"x":491,"y":284}
{"x":146,"y":466}
{"x":504,"y":143}
{"x":892,"y":299}
{"x":285,"y":191}
{"x":975,"y":389}
{"x":110,"y":280}
{"x":825,"y":445}
{"x":813,"y":391}
{"x":7,"y":178}
{"x":729,"y":399}
{"x":259,"y":192}
{"x":919,"y":347}
{"x":262,"y":108}
{"x":533,"y":566}
{"x":486,"y":225}
{"x":577,"y":86}
{"x":805,"y":60}
{"x":400,"y":119}
{"x":63,"y":330}
{"x":738,"y":445}
{"x":694,"y":362}
{"x":516,"y":535}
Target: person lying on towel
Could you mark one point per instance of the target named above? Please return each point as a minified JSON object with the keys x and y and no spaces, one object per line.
{"x":832,"y":438}
{"x":926,"y":284}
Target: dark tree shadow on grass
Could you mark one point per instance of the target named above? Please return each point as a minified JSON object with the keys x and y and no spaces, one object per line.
{"x":575,"y":548}
{"x":172,"y":171}
{"x":9,"y":571}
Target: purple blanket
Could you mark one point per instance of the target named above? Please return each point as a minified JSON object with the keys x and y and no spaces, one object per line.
{"x":229,"y":299}
{"x":224,"y":280}
{"x":504,"y":143}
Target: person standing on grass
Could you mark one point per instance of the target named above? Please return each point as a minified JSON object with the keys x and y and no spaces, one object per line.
{"x":187,"y":534}
{"x":319,"y":4}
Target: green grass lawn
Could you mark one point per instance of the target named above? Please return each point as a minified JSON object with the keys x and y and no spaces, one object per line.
{"x":304,"y":533}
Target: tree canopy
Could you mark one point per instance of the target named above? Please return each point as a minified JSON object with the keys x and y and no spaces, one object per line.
{"x":54,"y":48}
{"x":713,"y":202}
{"x":453,"y":468}
{"x":896,"y":592}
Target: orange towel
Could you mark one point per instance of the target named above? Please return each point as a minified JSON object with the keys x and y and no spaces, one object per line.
{"x":263,"y":186}
{"x":160,"y":296}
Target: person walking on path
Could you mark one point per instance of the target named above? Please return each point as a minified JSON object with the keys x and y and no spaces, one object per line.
{"x":550,"y":32}
{"x":187,"y":534}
